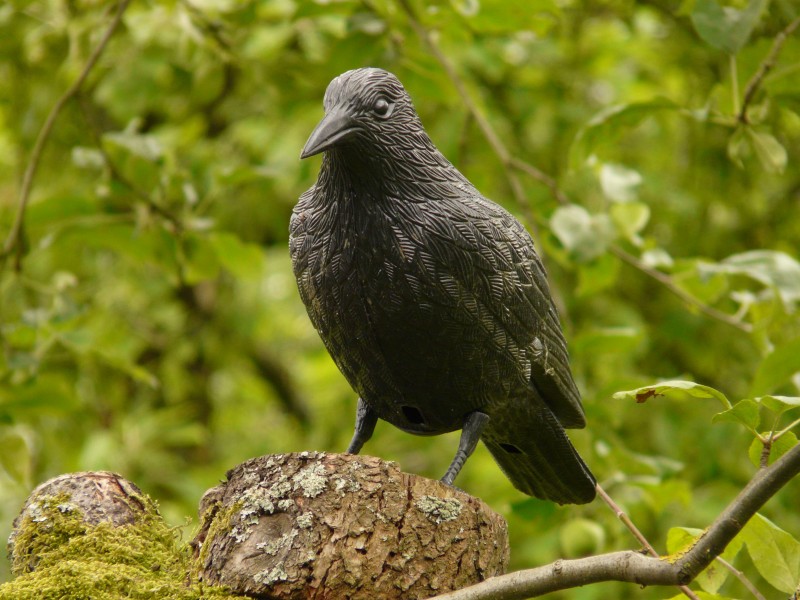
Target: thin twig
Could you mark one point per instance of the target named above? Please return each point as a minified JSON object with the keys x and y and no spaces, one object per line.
{"x":542,"y":178}
{"x":741,"y":577}
{"x":14,"y":236}
{"x":510,"y":163}
{"x":502,"y":153}
{"x":666,"y":280}
{"x":634,"y":567}
{"x":765,"y":67}
{"x":622,"y":516}
{"x":117,"y":175}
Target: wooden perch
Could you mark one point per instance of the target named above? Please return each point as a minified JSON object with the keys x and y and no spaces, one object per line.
{"x":315,"y":525}
{"x":306,"y":525}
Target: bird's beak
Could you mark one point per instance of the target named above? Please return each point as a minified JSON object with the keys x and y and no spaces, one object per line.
{"x":336,"y":126}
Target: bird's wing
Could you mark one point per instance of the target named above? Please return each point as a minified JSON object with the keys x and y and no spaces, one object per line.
{"x":492,"y":257}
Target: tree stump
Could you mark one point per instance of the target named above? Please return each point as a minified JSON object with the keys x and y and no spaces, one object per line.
{"x":96,"y":496}
{"x":317,"y":526}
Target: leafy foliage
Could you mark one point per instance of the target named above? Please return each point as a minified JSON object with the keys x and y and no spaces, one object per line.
{"x":151,"y":324}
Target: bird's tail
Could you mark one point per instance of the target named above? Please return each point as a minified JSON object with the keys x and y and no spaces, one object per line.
{"x":538,"y":458}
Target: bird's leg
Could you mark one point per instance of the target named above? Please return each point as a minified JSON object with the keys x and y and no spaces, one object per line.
{"x":366,"y":419}
{"x":470,"y":434}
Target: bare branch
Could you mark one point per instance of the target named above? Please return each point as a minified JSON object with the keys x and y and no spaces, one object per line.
{"x":13,"y":240}
{"x":637,"y":568}
{"x":765,"y":67}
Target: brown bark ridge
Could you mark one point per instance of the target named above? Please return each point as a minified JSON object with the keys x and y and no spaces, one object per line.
{"x":316,"y":526}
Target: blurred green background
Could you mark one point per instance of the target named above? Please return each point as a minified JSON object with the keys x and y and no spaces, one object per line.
{"x":150,"y":323}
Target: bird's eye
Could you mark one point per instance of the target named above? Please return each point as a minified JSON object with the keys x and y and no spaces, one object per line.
{"x":382,"y":107}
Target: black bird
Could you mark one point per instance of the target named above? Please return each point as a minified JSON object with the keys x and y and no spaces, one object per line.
{"x":431,"y":298}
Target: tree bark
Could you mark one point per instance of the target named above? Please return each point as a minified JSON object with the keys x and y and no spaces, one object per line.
{"x":313,"y":525}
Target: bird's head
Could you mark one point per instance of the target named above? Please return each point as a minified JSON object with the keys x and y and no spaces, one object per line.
{"x":368,"y":109}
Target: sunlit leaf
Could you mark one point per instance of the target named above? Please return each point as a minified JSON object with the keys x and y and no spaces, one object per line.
{"x":630,"y":218}
{"x":779,"y":404}
{"x":775,"y":553}
{"x":769,"y":150}
{"x":745,"y":412}
{"x":680,"y":539}
{"x":619,"y":183}
{"x":586,"y":236}
{"x":770,"y":267}
{"x":672,"y":389}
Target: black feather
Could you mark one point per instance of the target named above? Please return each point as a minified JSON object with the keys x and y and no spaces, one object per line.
{"x":429,"y":297}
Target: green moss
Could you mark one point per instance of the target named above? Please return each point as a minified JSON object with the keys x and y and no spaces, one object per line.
{"x":103,"y":562}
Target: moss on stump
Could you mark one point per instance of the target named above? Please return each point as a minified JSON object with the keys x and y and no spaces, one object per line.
{"x":96,"y":535}
{"x":305,"y":525}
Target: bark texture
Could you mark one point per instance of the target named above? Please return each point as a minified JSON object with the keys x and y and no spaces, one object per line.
{"x":313,"y":525}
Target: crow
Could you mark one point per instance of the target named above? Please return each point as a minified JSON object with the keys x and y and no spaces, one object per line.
{"x":429,"y":297}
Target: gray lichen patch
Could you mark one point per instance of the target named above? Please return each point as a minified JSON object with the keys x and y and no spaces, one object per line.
{"x":305,"y":520}
{"x":439,"y":510}
{"x":272,"y":547}
{"x":311,"y":480}
{"x":269,"y":576}
{"x":346,"y":485}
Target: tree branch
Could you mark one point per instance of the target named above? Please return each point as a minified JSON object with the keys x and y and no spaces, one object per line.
{"x":636,"y":533}
{"x":765,"y":67}
{"x":510,"y":163}
{"x":12,"y":241}
{"x":667,"y":282}
{"x":633,"y":567}
{"x":502,"y":153}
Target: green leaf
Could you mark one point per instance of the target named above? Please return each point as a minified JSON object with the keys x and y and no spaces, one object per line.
{"x":779,"y":447}
{"x":497,"y":16}
{"x":245,"y":261}
{"x":737,"y":147}
{"x":87,"y":158}
{"x":608,"y":125}
{"x":680,"y":539}
{"x":201,"y":261}
{"x":15,"y":454}
{"x":774,"y":269}
{"x":775,"y":553}
{"x":597,"y":275}
{"x":142,"y":146}
{"x":601,"y":342}
{"x":745,"y":412}
{"x":768,"y":149}
{"x":586,"y":236}
{"x":779,"y":404}
{"x":777,"y":368}
{"x":47,"y":394}
{"x":726,"y":28}
{"x":619,"y":183}
{"x":630,"y":218}
{"x":673,"y":389}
